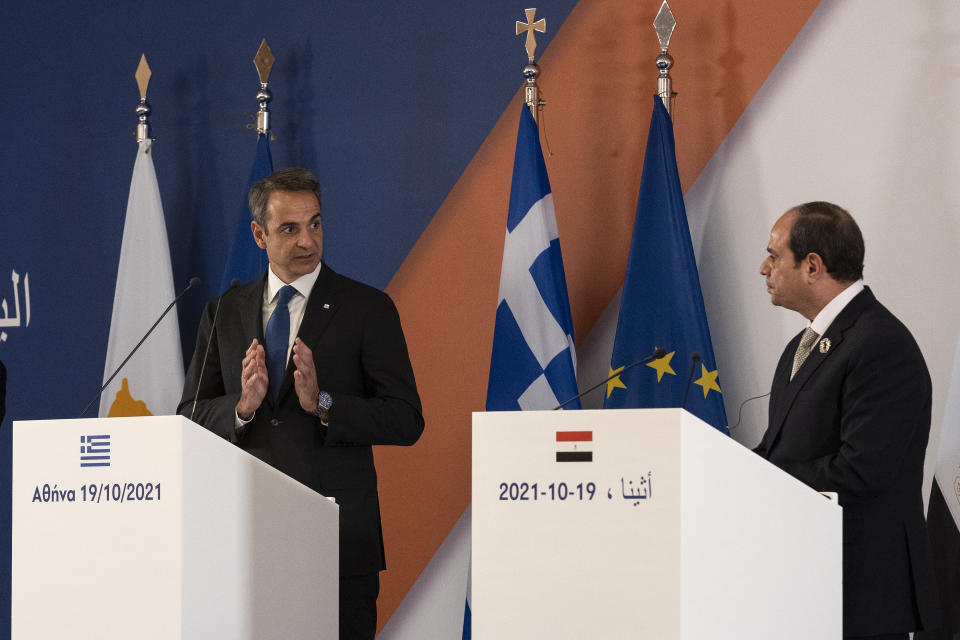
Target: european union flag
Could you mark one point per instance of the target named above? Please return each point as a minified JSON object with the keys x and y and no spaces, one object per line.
{"x":662,"y":302}
{"x":246,"y":260}
{"x":533,"y":365}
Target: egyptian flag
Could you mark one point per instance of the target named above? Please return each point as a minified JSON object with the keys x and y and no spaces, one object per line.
{"x":574,"y":446}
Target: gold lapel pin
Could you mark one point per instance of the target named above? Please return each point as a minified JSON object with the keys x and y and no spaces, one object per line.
{"x":825,"y":345}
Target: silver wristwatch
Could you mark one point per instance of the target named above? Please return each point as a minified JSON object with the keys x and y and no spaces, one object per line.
{"x":324,"y":402}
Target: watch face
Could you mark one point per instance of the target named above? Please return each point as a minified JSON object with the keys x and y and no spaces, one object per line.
{"x":324,"y":401}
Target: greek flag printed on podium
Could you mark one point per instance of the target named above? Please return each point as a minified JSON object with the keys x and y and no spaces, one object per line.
{"x":533,"y":364}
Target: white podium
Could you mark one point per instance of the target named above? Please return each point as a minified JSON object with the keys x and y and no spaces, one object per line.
{"x":156,"y":528}
{"x":644,"y":524}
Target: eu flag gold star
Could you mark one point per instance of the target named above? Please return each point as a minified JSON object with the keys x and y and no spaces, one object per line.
{"x":708,"y":380}
{"x":662,"y":365}
{"x":615,"y":382}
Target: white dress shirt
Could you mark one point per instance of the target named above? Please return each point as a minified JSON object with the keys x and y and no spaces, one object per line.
{"x":830,"y":312}
{"x":297,"y":306}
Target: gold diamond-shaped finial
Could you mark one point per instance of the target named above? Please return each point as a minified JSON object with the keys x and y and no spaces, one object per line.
{"x":263,"y":61}
{"x":664,"y":23}
{"x":530,"y":26}
{"x":143,"y":76}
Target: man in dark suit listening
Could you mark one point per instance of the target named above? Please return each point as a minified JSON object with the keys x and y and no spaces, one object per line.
{"x":306,"y":370}
{"x":850,"y":413}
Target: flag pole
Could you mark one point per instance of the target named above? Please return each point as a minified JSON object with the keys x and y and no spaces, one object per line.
{"x":143,"y":107}
{"x":245,"y":260}
{"x":664,"y":24}
{"x":263,"y":61}
{"x":531,"y":92}
{"x":153,"y":378}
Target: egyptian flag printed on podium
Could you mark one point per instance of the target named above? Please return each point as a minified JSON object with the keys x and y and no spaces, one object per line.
{"x":662,"y":304}
{"x":152,"y":381}
{"x":574,"y":446}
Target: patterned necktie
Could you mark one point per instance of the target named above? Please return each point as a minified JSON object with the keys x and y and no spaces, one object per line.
{"x":803,"y":349}
{"x":277,"y":337}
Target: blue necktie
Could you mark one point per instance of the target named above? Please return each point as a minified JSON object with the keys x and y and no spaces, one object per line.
{"x":277,"y":337}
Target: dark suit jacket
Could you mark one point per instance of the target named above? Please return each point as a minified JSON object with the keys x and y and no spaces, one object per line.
{"x":361,"y":360}
{"x":855,"y":420}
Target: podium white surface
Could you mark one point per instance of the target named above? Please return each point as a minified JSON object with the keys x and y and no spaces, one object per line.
{"x":173,"y":533}
{"x":658,"y":526}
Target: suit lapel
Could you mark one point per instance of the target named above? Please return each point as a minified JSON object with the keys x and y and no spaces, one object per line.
{"x":787,"y":390}
{"x":321,"y":307}
{"x":250,"y":312}
{"x":778,"y":390}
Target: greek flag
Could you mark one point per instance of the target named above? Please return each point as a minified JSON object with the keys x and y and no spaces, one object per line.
{"x":533,"y":364}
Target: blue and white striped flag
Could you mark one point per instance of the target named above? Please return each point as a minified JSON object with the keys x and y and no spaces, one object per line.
{"x":533,"y":364}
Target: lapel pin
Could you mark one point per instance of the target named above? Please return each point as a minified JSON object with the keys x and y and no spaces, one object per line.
{"x":326,"y":306}
{"x":825,"y":345}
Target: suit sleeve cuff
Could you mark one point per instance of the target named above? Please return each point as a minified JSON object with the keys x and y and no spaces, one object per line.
{"x":239,"y":424}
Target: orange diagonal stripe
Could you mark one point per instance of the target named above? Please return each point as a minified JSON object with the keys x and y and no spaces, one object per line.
{"x":597,"y":76}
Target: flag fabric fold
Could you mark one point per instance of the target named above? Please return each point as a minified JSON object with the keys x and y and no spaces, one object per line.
{"x":245,"y":260}
{"x":944,"y":530}
{"x":662,"y":305}
{"x":533,"y":365}
{"x":152,"y":381}
{"x":943,"y":514}
{"x":467,"y":626}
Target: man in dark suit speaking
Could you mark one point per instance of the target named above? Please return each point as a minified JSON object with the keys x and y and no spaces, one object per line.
{"x":306,"y":370}
{"x":850,"y":413}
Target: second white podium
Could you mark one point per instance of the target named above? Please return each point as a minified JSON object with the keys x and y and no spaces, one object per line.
{"x":644,"y":524}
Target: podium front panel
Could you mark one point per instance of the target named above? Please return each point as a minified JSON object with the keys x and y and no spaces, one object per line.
{"x":96,"y":530}
{"x":643,"y":524}
{"x":157,"y":528}
{"x":576,"y":525}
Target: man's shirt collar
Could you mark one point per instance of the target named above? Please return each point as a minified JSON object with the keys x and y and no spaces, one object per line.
{"x":830,"y":312}
{"x":303,"y":284}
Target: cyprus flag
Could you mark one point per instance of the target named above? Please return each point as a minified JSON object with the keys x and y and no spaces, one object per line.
{"x":151,"y":383}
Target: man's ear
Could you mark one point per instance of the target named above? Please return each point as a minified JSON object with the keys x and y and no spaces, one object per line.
{"x":258,"y":234}
{"x":813,"y":266}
